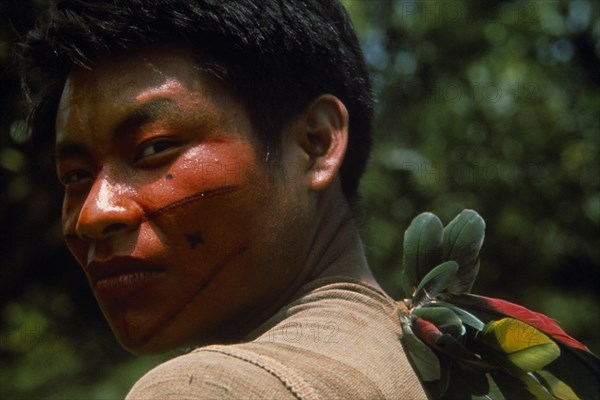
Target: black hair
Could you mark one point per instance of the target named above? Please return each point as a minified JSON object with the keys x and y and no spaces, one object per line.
{"x":276,"y":55}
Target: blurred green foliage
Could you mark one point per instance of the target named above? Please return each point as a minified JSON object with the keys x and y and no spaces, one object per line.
{"x":485,"y":105}
{"x":491,"y":106}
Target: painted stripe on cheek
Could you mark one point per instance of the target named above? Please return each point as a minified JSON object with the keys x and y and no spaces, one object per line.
{"x":206,"y":194}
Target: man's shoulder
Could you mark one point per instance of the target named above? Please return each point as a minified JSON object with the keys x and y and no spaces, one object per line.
{"x":208,"y":374}
{"x":336,"y":339}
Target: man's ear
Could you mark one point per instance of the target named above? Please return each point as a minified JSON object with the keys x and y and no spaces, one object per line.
{"x":324,"y":140}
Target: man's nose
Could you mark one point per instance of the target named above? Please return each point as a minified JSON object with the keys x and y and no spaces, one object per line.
{"x":108,"y":210}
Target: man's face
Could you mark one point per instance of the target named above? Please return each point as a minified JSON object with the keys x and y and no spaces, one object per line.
{"x":179,"y":226}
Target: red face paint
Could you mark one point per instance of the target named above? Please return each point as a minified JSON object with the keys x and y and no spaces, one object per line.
{"x":203,"y":195}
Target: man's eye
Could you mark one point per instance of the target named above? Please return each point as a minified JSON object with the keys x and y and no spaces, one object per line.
{"x":75,"y":177}
{"x":153,"y":149}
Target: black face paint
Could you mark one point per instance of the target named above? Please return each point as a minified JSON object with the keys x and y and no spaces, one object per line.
{"x":194,"y":239}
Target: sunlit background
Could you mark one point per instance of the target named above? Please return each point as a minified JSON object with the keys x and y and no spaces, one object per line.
{"x":489,"y":105}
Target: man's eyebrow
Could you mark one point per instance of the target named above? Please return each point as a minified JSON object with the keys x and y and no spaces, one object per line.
{"x":145,"y":112}
{"x":68,"y":149}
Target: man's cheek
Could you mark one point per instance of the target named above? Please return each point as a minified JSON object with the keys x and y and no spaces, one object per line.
{"x":216,"y":174}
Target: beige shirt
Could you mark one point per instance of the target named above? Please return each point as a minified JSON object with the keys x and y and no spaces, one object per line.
{"x":338,"y":339}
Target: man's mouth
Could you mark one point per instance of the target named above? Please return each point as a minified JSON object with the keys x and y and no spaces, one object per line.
{"x":121,"y":276}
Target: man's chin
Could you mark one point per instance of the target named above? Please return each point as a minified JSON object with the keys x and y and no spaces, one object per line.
{"x":145,"y":343}
{"x":137,"y":334}
{"x":143,"y":329}
{"x":135,"y":341}
{"x":149,"y":337}
{"x":155,"y":344}
{"x":144,"y":349}
{"x":171,"y":338}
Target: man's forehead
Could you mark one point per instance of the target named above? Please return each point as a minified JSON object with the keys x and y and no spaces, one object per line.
{"x":120,"y":78}
{"x":117,"y":84}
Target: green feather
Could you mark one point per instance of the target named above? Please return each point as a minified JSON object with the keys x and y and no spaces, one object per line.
{"x":558,"y":388}
{"x":444,"y":319}
{"x":493,"y":392}
{"x":466,"y":384}
{"x":465,"y":316}
{"x":524,"y":345}
{"x":422,"y":250}
{"x":438,"y":388}
{"x":435,"y":282}
{"x":425,"y":362}
{"x":530,"y":383}
{"x":462,"y":241}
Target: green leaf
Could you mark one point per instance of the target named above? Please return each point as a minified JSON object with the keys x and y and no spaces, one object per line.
{"x":444,"y":319}
{"x":422,"y":250}
{"x":425,"y":362}
{"x":462,"y":241}
{"x":526,"y":347}
{"x":435,"y":282}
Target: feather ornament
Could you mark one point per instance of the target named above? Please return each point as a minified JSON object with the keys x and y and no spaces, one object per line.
{"x":464,"y":346}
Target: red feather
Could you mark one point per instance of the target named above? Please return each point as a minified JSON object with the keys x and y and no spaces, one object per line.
{"x":426,"y":331}
{"x":537,"y":320}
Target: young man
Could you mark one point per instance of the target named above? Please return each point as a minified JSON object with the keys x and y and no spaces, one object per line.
{"x":210,"y":153}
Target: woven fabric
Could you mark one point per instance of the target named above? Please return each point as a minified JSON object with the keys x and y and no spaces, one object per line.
{"x":338,"y":339}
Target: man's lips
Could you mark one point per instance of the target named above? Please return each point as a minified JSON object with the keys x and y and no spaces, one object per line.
{"x":121,"y":267}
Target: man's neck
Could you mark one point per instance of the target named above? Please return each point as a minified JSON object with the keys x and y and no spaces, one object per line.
{"x":339,"y":248}
{"x":333,"y":248}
